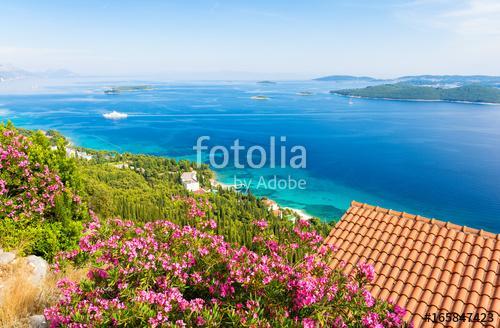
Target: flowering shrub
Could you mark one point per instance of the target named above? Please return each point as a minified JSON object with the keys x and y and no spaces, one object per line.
{"x":38,"y":214}
{"x":26,"y":189}
{"x":195,"y":208}
{"x":161,"y":274}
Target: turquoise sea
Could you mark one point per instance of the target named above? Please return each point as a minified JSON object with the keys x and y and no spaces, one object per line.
{"x":435,"y":159}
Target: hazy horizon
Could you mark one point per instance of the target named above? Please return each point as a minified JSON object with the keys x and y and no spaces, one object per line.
{"x":233,"y":40}
{"x":215,"y":76}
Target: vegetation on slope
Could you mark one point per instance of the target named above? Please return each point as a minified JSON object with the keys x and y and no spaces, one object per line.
{"x":149,"y":189}
{"x":40,"y":212}
{"x":219,"y":259}
{"x":136,"y":187}
{"x":160,"y":274}
{"x":404,"y":91}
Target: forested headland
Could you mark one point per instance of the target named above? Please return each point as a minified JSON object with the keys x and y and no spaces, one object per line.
{"x":405,"y":91}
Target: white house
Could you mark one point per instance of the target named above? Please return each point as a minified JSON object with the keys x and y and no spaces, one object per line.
{"x":190,"y":181}
{"x":70,"y":152}
{"x":271,"y":204}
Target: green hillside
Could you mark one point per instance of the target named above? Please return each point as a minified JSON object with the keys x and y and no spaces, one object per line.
{"x":403,"y":91}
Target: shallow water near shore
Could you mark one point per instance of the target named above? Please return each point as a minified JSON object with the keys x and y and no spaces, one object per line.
{"x":435,"y":159}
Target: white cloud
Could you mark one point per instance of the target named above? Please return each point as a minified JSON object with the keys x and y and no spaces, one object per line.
{"x":453,"y":36}
{"x":476,"y":17}
{"x":477,"y":7}
{"x":480,"y":18}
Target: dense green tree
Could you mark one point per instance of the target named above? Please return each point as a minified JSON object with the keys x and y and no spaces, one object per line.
{"x":136,"y":187}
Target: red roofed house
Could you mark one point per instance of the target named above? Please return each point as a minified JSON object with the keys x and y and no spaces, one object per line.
{"x":425,"y":265}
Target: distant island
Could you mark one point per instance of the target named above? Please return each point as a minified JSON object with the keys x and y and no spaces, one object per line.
{"x":422,"y":80}
{"x":266,"y":82}
{"x":347,"y":78}
{"x":12,"y":73}
{"x":115,"y":90}
{"x":450,"y":80}
{"x":259,"y":97}
{"x":405,"y":91}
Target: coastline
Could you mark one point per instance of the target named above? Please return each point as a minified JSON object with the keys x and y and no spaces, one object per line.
{"x":418,"y":100}
{"x":272,"y":204}
{"x":301,"y":213}
{"x":215,"y":182}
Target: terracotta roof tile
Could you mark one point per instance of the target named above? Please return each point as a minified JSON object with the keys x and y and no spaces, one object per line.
{"x":425,"y":265}
{"x":443,"y":254}
{"x":458,"y":306}
{"x":455,"y":278}
{"x":447,"y":304}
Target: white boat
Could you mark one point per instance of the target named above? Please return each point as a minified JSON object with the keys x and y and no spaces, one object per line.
{"x":114,"y":115}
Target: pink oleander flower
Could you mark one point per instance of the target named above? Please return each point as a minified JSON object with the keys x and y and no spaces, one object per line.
{"x":366,"y":271}
{"x":395,"y":319}
{"x":97,"y":274}
{"x":161,"y":274}
{"x":339,"y":323}
{"x":308,"y":323}
{"x":27,"y":189}
{"x":352,"y":288}
{"x":200,"y":321}
{"x":369,"y":300}
{"x":262,"y":224}
{"x":371,"y":320}
{"x":3,"y":188}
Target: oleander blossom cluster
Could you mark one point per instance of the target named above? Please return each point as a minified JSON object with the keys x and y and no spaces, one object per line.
{"x":160,"y":274}
{"x":26,"y":189}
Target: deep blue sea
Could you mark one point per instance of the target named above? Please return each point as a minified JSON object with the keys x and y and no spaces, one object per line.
{"x":435,"y":159}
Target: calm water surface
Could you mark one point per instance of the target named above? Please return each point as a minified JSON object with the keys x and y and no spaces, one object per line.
{"x":435,"y":159}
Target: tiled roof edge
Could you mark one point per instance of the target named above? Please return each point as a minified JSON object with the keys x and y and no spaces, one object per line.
{"x":449,"y":225}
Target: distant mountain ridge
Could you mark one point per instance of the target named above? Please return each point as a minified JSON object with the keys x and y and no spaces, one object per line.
{"x":347,"y":78}
{"x":458,"y":80}
{"x":441,"y":80}
{"x":9,"y":73}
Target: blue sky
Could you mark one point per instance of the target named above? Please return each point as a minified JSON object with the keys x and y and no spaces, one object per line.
{"x":237,"y":39}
